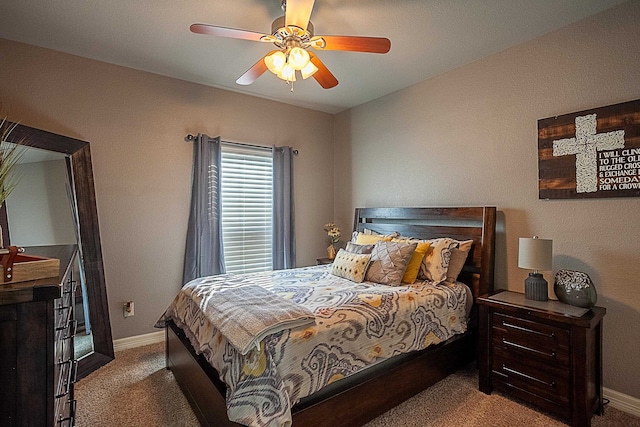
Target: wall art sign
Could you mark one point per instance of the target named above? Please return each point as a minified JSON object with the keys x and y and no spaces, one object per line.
{"x":590,"y":154}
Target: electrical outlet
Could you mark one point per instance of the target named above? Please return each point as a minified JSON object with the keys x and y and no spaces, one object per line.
{"x":128,"y":309}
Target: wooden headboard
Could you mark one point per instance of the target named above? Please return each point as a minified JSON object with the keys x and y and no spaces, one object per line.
{"x":465,"y":223}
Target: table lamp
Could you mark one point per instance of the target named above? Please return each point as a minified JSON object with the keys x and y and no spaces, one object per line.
{"x":535,"y":254}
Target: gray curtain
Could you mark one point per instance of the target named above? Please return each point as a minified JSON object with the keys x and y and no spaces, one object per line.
{"x":284,"y":242}
{"x":204,"y":255}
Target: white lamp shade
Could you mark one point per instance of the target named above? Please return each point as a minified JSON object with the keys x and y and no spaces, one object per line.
{"x":298,"y":58}
{"x":309,"y":70}
{"x":535,"y":254}
{"x":287,"y":73}
{"x":275,"y":62}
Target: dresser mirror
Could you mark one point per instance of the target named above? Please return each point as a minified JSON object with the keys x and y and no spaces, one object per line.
{"x":59,"y":208}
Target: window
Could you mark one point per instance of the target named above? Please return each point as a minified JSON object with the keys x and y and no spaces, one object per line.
{"x":247,"y":206}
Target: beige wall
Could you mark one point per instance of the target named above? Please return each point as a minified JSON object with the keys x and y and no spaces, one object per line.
{"x":469,"y":137}
{"x":136,"y":123}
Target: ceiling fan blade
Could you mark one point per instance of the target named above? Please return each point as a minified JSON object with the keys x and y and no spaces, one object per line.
{"x":298,"y":13}
{"x":356,"y":44}
{"x":252,"y":74}
{"x":214,"y":30}
{"x":323,"y":76}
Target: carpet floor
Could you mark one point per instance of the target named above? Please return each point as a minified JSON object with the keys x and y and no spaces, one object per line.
{"x":136,"y":390}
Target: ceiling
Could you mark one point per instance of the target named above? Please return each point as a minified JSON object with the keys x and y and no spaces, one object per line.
{"x":428,"y":37}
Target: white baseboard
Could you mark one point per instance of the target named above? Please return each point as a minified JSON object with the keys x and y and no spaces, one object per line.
{"x":138,"y":340}
{"x":623,"y":402}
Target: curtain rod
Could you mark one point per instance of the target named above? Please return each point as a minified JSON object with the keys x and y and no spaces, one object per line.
{"x":190,"y":137}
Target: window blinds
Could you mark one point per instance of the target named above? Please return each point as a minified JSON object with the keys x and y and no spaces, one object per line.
{"x":247,"y":206}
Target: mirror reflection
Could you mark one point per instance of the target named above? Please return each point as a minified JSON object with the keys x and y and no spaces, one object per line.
{"x":41,"y":211}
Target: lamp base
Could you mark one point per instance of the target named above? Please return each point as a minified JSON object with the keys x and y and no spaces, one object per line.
{"x":536,"y":288}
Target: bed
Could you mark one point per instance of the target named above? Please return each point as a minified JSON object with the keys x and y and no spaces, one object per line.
{"x":360,"y":397}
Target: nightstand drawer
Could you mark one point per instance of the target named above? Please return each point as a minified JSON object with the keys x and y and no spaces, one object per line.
{"x":531,"y":339}
{"x":536,"y":376}
{"x":535,"y":351}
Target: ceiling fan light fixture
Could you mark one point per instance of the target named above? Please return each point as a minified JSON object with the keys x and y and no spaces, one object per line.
{"x":275,"y":62}
{"x":293,"y":37}
{"x":308,"y":70}
{"x":298,"y":58}
{"x":287,"y":73}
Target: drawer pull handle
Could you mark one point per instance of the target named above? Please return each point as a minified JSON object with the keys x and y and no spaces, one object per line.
{"x":71,"y":330}
{"x":522,"y":328}
{"x":551,"y":384}
{"x":60,"y":395}
{"x":66,"y":362}
{"x":72,"y":374}
{"x":63,"y":385}
{"x":63,"y":315}
{"x":70,"y":286}
{"x":552,"y":354}
{"x":70,"y":420}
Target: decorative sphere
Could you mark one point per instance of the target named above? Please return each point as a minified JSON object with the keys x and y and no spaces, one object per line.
{"x":575,"y":288}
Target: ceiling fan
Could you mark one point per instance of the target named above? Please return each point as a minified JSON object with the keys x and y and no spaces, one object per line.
{"x":293,"y":36}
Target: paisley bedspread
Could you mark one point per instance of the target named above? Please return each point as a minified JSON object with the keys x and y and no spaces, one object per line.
{"x":356,"y":325}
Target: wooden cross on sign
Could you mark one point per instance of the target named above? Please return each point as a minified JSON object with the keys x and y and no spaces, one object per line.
{"x":585,"y":145}
{"x":591,"y":153}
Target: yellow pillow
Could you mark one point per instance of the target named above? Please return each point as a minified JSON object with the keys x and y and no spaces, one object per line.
{"x":413,"y":267}
{"x":371,"y":239}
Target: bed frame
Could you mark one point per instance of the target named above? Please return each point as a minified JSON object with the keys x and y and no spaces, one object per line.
{"x":360,"y":398}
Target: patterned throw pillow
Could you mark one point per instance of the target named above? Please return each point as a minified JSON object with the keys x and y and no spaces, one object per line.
{"x":458,"y":258}
{"x":358,"y":249}
{"x":436,"y":263}
{"x":350,"y":266}
{"x":389,"y":261}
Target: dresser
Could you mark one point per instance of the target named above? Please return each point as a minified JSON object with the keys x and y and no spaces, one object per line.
{"x":37,"y":329}
{"x":548,"y":354}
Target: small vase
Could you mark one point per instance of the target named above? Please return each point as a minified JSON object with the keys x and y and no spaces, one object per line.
{"x":331,"y":252}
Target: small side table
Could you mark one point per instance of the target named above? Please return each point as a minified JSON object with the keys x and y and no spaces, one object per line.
{"x":546,"y":353}
{"x":323,"y":261}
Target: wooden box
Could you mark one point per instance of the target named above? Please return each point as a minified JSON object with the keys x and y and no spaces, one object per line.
{"x":30,"y":267}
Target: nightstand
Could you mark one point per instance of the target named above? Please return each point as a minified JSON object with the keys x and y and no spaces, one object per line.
{"x":323,"y":261}
{"x":546,"y":353}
